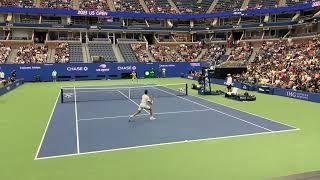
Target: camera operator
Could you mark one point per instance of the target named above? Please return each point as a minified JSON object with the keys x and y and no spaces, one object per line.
{"x":13,"y":76}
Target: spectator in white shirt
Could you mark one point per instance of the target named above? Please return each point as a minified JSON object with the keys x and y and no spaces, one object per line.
{"x":54,"y":75}
{"x":229,"y":83}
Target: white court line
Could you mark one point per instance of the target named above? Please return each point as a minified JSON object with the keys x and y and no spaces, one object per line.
{"x":160,"y":144}
{"x":76,"y":116}
{"x":247,"y":112}
{"x":135,"y":147}
{"x":173,"y":112}
{"x":45,"y":131}
{"x":131,"y":100}
{"x":216,"y":110}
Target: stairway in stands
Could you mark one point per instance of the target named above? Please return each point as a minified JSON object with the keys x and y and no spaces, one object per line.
{"x":128,"y":53}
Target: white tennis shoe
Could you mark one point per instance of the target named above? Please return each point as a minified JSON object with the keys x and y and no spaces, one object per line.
{"x":152,"y":118}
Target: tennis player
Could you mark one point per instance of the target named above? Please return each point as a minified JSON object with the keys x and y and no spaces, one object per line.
{"x":145,"y":104}
{"x":134,"y":76}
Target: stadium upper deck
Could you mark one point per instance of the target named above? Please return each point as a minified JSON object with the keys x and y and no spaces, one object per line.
{"x":154,"y":6}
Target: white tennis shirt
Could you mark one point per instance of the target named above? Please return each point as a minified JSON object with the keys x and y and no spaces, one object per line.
{"x":145,"y":99}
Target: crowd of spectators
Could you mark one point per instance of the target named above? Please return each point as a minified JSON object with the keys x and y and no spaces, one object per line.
{"x":257,"y":4}
{"x":4,"y":53}
{"x":164,"y":53}
{"x":214,"y":53}
{"x":190,"y":52}
{"x":20,"y":3}
{"x":56,"y":4}
{"x":32,"y":54}
{"x":228,"y":5}
{"x":287,"y":65}
{"x":128,"y":5}
{"x":241,"y":52}
{"x":101,"y":5}
{"x":187,"y":52}
{"x":185,"y":6}
{"x":141,"y":52}
{"x":62,"y":53}
{"x":155,"y":7}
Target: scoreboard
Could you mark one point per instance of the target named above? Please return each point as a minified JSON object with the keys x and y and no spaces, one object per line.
{"x":150,"y":74}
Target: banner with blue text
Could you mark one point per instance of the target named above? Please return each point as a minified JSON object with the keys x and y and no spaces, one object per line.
{"x":88,"y":71}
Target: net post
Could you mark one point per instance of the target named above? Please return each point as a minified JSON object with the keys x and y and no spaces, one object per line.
{"x":129,"y":93}
{"x":186,"y":89}
{"x":61,"y":94}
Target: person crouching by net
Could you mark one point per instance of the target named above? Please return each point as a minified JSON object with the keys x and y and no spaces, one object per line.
{"x":146,"y":104}
{"x":229,"y":83}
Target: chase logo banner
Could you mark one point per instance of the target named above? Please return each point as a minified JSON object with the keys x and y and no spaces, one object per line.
{"x":127,"y":68}
{"x":77,"y":68}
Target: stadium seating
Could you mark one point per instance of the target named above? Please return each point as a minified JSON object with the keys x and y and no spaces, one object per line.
{"x":189,"y":52}
{"x":241,"y":52}
{"x":255,"y":4}
{"x":159,"y":6}
{"x":20,"y":3}
{"x":128,"y":53}
{"x":154,"y":6}
{"x":180,"y":53}
{"x":228,"y":5}
{"x":4,"y":53}
{"x":164,"y":53}
{"x":297,"y":2}
{"x":56,"y":4}
{"x":215,"y":53}
{"x":140,"y":52}
{"x":287,"y":64}
{"x":191,"y":6}
{"x":101,"y":5}
{"x":128,"y":5}
{"x":35,"y":54}
{"x":102,"y":49}
{"x":62,"y":53}
{"x":75,"y":52}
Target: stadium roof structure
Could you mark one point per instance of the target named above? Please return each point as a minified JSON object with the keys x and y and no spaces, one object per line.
{"x":160,"y":15}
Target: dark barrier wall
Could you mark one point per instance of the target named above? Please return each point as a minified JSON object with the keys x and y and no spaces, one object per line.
{"x":297,"y":94}
{"x":86,"y":71}
{"x":221,"y":73}
{"x":10,"y":87}
{"x":159,"y":16}
{"x":270,"y":90}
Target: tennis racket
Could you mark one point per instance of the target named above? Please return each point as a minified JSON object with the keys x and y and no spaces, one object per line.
{"x":152,"y":99}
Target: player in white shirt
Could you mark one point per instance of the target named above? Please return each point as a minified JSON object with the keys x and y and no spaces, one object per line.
{"x":145,"y":104}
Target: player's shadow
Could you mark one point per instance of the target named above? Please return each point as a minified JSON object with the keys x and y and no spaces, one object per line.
{"x":140,"y":121}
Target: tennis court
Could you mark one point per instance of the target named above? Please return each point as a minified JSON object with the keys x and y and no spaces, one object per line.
{"x":95,"y":119}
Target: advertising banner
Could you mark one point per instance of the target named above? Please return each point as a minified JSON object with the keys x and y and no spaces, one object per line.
{"x":87,"y":71}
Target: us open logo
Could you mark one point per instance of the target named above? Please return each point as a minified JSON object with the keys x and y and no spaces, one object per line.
{"x":103,"y":68}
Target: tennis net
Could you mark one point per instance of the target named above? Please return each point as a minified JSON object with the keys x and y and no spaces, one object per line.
{"x":84,"y":94}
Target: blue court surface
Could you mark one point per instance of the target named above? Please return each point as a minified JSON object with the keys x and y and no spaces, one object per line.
{"x":95,"y":124}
